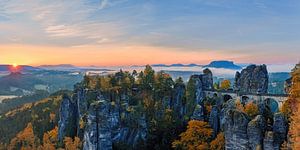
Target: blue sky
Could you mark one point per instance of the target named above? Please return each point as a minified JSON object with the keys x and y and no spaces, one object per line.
{"x":259,"y":31}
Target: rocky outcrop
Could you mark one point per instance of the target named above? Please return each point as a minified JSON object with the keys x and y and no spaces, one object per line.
{"x":279,"y":130}
{"x":255,"y":132}
{"x":207,"y":79}
{"x":252,"y":79}
{"x":178,"y":99}
{"x":235,"y":130}
{"x":214,"y":120}
{"x":67,"y":123}
{"x":268,"y":141}
{"x":198,"y":113}
{"x":97,"y":135}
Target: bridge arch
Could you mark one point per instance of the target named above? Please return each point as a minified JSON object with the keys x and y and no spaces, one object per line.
{"x":273,"y":104}
{"x":244,"y":99}
{"x":227,"y":97}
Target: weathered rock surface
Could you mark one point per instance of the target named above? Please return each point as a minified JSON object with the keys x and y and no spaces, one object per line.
{"x":67,"y":124}
{"x":268,"y":141}
{"x":207,"y":79}
{"x":252,"y":79}
{"x":198,"y":113}
{"x":279,"y":130}
{"x":255,"y":131}
{"x":214,"y":120}
{"x":235,"y":130}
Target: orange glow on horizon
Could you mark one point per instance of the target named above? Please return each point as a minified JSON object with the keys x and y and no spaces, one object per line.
{"x":109,"y":55}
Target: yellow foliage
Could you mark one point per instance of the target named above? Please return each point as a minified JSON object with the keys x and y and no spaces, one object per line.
{"x":195,"y":137}
{"x":225,"y":84}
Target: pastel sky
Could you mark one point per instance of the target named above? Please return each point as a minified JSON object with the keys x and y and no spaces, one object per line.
{"x":127,"y":32}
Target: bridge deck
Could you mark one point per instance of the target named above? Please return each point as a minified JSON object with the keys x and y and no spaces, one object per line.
{"x":243,"y":93}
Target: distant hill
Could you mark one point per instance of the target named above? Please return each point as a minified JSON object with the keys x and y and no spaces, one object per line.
{"x":63,"y":67}
{"x":224,"y":64}
{"x":18,"y":82}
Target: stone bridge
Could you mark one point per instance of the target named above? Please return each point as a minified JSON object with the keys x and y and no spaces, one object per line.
{"x":275,"y":101}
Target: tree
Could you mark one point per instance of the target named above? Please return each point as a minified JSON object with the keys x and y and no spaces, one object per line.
{"x":190,"y":96}
{"x":225,"y":85}
{"x":291,"y":104}
{"x":218,"y":143}
{"x":50,"y":139}
{"x":294,"y":109}
{"x":25,"y":139}
{"x":195,"y":137}
{"x":251,"y":109}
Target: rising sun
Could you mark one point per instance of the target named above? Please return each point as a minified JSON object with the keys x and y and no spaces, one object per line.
{"x":15,"y":65}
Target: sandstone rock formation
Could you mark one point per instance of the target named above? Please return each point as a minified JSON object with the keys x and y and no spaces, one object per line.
{"x":252,"y":79}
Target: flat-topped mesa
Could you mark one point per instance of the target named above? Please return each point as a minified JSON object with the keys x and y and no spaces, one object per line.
{"x":253,"y":79}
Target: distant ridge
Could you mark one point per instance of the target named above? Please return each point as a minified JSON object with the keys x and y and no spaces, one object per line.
{"x":176,"y":65}
{"x":23,"y":68}
{"x":224,"y":64}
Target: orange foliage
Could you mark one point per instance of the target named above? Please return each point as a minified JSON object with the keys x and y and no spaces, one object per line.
{"x":24,"y":140}
{"x":195,"y":137}
{"x":293,"y":104}
{"x":71,"y":144}
{"x":225,"y":84}
{"x":218,"y":143}
{"x":251,"y":109}
{"x":239,"y":106}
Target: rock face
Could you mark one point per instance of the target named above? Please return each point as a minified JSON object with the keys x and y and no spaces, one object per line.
{"x":268,"y":141}
{"x":252,"y":79}
{"x":207,"y":79}
{"x":255,"y":131}
{"x":235,"y":130}
{"x":198,"y":113}
{"x":97,"y":135}
{"x":177,"y":102}
{"x":67,"y":124}
{"x":214,"y":120}
{"x":279,"y":130}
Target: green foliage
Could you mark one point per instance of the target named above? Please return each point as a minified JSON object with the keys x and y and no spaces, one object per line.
{"x":37,"y":113}
{"x":190,"y":96}
{"x":13,"y":103}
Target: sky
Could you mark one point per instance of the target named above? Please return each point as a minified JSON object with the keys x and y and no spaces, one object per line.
{"x":138,"y":32}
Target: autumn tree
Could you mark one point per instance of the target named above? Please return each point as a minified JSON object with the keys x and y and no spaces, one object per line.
{"x":50,"y":139}
{"x":293,"y":109}
{"x":218,"y":143}
{"x":71,"y":144}
{"x":225,"y":85}
{"x":290,"y":105}
{"x":195,"y":137}
{"x":25,"y":139}
{"x":251,"y":109}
